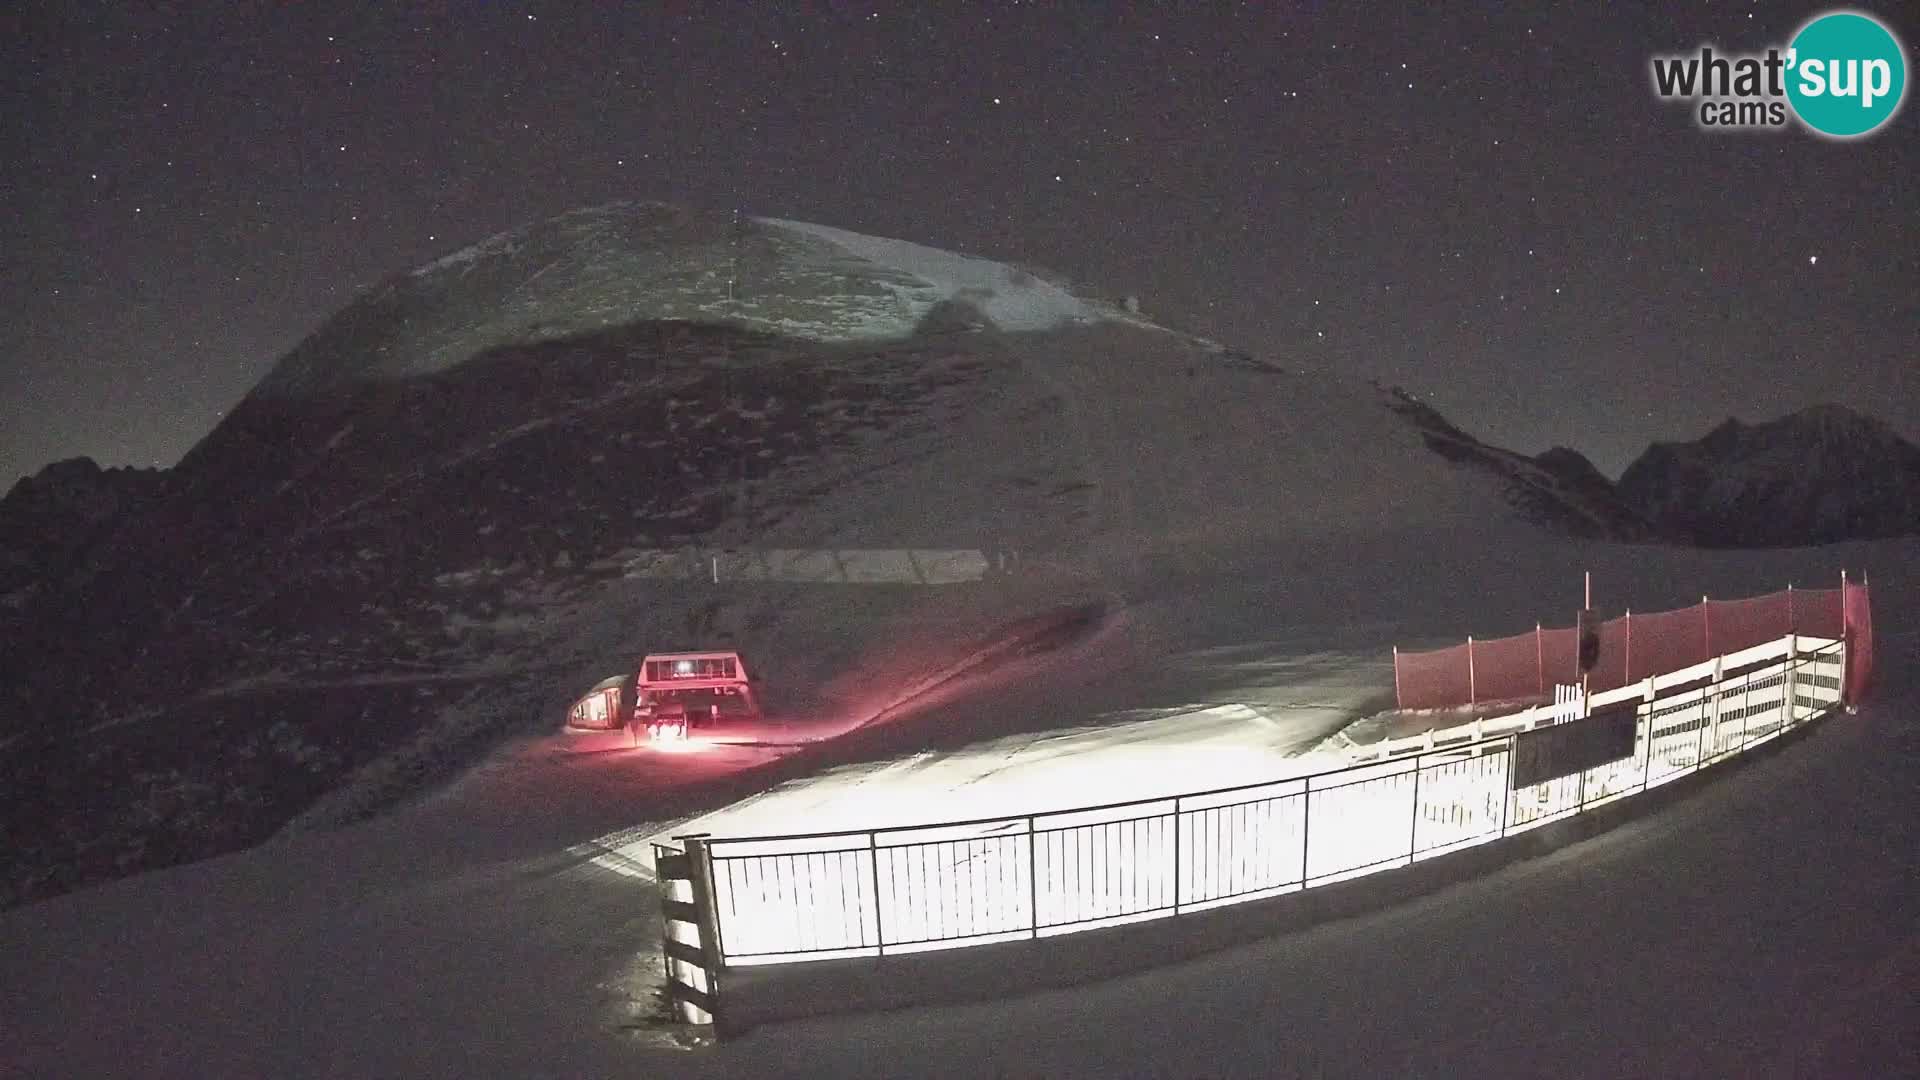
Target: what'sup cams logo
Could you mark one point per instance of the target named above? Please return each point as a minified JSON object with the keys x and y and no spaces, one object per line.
{"x":1843,"y":76}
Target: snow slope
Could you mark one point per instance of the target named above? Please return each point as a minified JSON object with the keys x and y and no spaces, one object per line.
{"x":1758,"y":928}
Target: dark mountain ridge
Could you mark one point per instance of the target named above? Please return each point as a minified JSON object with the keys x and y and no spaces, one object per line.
{"x":1821,"y":475}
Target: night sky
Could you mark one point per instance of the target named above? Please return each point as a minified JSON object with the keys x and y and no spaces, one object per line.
{"x":1489,"y":207}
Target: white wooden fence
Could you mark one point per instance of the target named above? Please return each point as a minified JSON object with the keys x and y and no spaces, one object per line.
{"x":884,"y":891}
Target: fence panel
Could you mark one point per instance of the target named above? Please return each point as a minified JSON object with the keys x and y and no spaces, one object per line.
{"x":1360,"y":824}
{"x":1461,"y":796}
{"x":1666,"y":641}
{"x":1537,"y":804}
{"x":785,"y":903}
{"x":1766,"y":703}
{"x":1678,"y":735}
{"x":1089,"y":874}
{"x":1560,"y":652}
{"x":1242,"y":849}
{"x":1820,"y":684}
{"x":1733,"y":625}
{"x":955,"y":891}
{"x":1432,"y":680}
{"x":1819,"y":613}
{"x":1509,"y":669}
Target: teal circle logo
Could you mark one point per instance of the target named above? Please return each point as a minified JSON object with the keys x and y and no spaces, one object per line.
{"x":1846,"y":74}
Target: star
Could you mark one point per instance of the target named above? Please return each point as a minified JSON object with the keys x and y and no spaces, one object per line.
{"x":1813,"y":260}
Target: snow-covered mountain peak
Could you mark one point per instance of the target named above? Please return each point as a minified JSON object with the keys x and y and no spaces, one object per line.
{"x":623,"y":263}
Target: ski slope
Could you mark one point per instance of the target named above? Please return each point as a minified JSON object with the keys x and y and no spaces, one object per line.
{"x":1760,"y":927}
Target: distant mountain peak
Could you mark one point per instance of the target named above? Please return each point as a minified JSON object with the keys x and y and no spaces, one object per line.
{"x":1569,"y":462}
{"x":1822,"y":474}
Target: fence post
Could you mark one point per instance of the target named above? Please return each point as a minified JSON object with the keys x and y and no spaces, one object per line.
{"x":1033,"y":877}
{"x":1539,"y":660}
{"x":1746,"y":704}
{"x":700,"y":861}
{"x":1846,"y":640}
{"x":1176,"y":854}
{"x":1306,"y":827}
{"x":1719,"y":688}
{"x":1506,"y":790}
{"x":1413,"y":829}
{"x":1788,"y":671}
{"x":1700,"y":743}
{"x":1846,"y":646}
{"x":1398,"y":701}
{"x":873,"y":875}
{"x":692,"y":1002}
{"x":1706,"y":626}
{"x":1646,"y":757}
{"x":1473,"y":693}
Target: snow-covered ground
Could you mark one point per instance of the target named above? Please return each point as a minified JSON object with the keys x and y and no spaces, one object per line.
{"x":1760,"y":927}
{"x":1256,"y":732}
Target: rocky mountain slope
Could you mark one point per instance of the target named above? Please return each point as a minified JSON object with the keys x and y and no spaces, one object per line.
{"x":413,"y":537}
{"x":1817,"y":476}
{"x":1560,"y":487}
{"x":49,"y":521}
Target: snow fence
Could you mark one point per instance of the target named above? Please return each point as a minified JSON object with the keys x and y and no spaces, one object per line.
{"x":1633,"y":647}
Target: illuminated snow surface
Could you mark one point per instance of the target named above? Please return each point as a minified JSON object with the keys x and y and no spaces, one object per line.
{"x":1011,"y":299}
{"x":1762,"y":927}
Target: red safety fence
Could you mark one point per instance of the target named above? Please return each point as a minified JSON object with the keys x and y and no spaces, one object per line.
{"x":1509,"y":668}
{"x":1856,"y":611}
{"x":1633,"y":647}
{"x":1431,"y":680}
{"x":1742,"y":624}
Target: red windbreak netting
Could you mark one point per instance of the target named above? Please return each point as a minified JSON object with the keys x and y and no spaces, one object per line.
{"x":1858,"y":612}
{"x":1507,"y":668}
{"x":1816,"y":613}
{"x":1636,"y":646}
{"x":1667,"y":641}
{"x":1432,"y":680}
{"x":1560,"y":651}
{"x":1741,"y":624}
